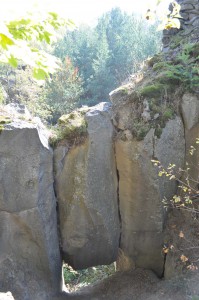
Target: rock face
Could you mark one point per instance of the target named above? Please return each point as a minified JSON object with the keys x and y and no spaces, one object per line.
{"x":108,"y":191}
{"x":183,"y":220}
{"x":190,"y":115}
{"x":86,"y":187}
{"x":141,"y":192}
{"x":30,"y":264}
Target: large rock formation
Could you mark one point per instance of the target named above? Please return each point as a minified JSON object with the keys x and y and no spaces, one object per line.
{"x":30,"y":264}
{"x":86,"y":187}
{"x":141,"y":192}
{"x":108,"y":191}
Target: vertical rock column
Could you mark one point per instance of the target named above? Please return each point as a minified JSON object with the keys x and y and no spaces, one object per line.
{"x":141,"y":193}
{"x":30,"y":264}
{"x":86,"y":186}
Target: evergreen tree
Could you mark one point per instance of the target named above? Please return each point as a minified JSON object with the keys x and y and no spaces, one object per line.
{"x":63,"y":91}
{"x":108,"y":53}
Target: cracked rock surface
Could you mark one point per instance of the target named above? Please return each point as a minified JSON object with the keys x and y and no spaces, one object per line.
{"x":30,"y":264}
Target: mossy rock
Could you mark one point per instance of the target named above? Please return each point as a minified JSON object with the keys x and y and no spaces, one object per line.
{"x":73,"y":122}
{"x":71,"y":127}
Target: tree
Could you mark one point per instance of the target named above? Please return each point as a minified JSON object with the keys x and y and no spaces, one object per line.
{"x":101,"y":82}
{"x":108,"y":53}
{"x":63,"y":91}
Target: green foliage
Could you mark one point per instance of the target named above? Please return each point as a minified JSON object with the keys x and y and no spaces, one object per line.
{"x":62,"y":93}
{"x":108,"y":53}
{"x":183,"y":70}
{"x":17,"y":35}
{"x":141,"y":130}
{"x":152,"y":90}
{"x":168,"y":114}
{"x":77,"y":279}
{"x":20,"y":87}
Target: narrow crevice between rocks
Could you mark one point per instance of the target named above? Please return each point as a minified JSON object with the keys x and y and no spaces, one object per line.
{"x":57,"y":210}
{"x":118,"y":201}
{"x":183,"y":122}
{"x":118,"y":197}
{"x":164,"y":264}
{"x":116,"y":131}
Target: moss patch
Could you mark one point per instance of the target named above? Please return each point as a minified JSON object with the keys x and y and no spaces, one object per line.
{"x":152,"y":90}
{"x":71,"y":128}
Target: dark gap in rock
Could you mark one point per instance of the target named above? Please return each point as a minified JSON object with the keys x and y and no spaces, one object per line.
{"x":118,"y":201}
{"x":57,"y":210}
{"x":165,"y":258}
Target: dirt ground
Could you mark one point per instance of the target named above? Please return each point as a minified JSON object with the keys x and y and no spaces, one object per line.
{"x":139,"y":284}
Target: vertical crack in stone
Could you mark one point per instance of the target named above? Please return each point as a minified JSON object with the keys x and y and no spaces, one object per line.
{"x":118,"y":197}
{"x":164,"y":264}
{"x":57,"y":207}
{"x":118,"y":201}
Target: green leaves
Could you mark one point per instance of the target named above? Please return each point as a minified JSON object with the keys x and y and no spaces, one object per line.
{"x":13,"y":61}
{"x":40,"y":74}
{"x":5,"y":41}
{"x":16,"y":37}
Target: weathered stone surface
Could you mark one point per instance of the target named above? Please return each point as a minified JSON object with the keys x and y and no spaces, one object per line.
{"x":186,"y":7}
{"x":190,"y":110}
{"x":121,"y":95}
{"x":141,"y":192}
{"x":30,"y":264}
{"x":86,"y":187}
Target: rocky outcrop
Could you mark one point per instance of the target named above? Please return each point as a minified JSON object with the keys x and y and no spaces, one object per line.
{"x":109,"y":194}
{"x":141,"y":192}
{"x":86,"y":187}
{"x":30,"y":264}
{"x":185,"y":222}
{"x":190,"y":115}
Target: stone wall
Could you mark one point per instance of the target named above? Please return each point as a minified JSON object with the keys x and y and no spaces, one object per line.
{"x":189,"y":23}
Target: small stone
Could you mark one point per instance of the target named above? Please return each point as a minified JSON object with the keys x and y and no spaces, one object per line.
{"x":186,"y":7}
{"x":185,"y":16}
{"x":192,"y":2}
{"x":156,"y":116}
{"x":146,"y":116}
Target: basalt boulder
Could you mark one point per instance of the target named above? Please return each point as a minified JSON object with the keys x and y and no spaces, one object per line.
{"x":86,"y":188}
{"x":30,"y":263}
